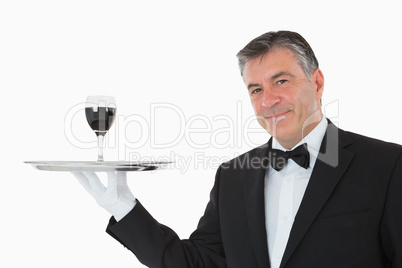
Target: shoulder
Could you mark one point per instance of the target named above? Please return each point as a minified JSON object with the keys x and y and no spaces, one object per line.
{"x":369,"y":144}
{"x":371,"y":153}
{"x":251,"y":159}
{"x":358,"y":143}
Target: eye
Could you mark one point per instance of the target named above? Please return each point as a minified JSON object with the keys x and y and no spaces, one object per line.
{"x":281,"y":82}
{"x":255,"y":91}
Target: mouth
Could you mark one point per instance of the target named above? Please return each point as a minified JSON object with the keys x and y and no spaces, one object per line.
{"x":277,"y":116}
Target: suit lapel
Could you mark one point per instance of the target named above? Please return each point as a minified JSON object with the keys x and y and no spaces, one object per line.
{"x":331,"y":164}
{"x":255,"y":209}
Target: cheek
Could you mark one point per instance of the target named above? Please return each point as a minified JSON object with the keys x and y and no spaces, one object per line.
{"x":256,"y":106}
{"x":311,"y":106}
{"x":306,"y":104}
{"x":259,"y":111}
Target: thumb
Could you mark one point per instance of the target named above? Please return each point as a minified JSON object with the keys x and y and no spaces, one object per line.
{"x":122,"y":178}
{"x":112,"y":183}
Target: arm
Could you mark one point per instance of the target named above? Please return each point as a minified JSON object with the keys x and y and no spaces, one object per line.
{"x":391,"y":228}
{"x":157,"y":245}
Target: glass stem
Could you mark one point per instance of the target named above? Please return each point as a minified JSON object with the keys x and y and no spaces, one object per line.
{"x":100,"y":147}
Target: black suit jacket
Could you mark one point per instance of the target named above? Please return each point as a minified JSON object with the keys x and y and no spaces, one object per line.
{"x":350,"y":215}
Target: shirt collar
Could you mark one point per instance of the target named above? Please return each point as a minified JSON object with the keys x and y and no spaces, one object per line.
{"x":313,"y":140}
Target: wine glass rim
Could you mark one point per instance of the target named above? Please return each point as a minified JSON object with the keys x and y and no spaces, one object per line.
{"x":95,"y":100}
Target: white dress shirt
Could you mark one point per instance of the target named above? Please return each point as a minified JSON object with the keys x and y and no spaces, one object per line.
{"x":284,"y":191}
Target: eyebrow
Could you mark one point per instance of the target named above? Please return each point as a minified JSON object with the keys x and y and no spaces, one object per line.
{"x":274,"y":77}
{"x":252,"y":85}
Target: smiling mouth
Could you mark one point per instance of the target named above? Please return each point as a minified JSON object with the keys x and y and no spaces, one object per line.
{"x":277,"y":116}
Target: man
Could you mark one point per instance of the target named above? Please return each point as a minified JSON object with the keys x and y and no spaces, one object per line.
{"x":314,"y":196}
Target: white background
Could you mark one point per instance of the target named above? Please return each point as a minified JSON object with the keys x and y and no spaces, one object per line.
{"x":55,"y":53}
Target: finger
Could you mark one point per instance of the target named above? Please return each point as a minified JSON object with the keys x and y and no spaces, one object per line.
{"x":95,"y":183}
{"x":83,"y":180}
{"x":122,"y":185}
{"x":122,"y":178}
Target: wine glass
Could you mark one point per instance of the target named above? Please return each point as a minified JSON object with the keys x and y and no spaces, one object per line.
{"x":100,"y":112}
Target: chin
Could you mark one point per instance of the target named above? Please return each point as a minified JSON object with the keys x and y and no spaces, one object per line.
{"x":280,"y":127}
{"x":281,"y":135}
{"x":285,"y":134}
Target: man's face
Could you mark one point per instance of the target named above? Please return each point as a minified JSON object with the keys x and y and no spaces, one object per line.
{"x":287,"y":105}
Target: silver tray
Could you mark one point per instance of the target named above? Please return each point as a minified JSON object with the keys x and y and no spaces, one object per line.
{"x":96,"y":166}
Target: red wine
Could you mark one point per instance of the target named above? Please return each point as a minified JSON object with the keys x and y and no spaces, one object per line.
{"x":100,"y":119}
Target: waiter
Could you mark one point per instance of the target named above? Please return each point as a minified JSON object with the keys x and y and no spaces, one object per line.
{"x":313,"y":196}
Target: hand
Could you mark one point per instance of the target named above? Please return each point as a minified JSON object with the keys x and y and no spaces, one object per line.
{"x":117,"y":198}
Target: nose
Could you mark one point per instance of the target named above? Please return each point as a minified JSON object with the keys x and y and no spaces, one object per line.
{"x":270,"y":98}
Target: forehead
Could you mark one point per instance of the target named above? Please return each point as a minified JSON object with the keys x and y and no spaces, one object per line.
{"x":271,"y":63}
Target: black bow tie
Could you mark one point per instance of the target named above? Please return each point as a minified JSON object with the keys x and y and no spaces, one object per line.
{"x":278,"y":158}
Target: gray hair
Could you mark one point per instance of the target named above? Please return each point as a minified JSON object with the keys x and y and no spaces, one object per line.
{"x":281,"y":39}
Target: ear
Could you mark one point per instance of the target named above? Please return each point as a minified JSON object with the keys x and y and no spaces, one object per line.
{"x":317,"y":81}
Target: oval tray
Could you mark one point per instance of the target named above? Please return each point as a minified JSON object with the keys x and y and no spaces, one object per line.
{"x":97,"y":166}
